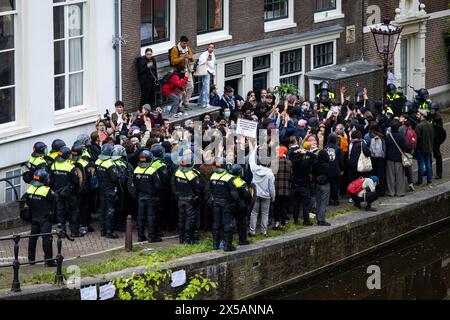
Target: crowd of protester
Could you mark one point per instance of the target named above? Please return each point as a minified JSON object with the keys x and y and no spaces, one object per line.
{"x":331,"y":147}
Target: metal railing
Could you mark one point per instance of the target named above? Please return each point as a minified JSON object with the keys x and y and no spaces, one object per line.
{"x":59,"y":278}
{"x":7,"y":180}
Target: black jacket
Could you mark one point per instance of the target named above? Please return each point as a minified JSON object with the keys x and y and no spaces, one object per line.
{"x":146,"y":75}
{"x":322,"y":169}
{"x":301,"y":169}
{"x":392,"y":152}
{"x":356,"y":152}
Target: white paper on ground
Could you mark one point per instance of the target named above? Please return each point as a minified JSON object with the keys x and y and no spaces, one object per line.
{"x":178,"y":278}
{"x":89,"y":293}
{"x":108,"y":291}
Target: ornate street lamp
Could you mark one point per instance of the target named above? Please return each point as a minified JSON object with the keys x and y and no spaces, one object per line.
{"x":386,"y":37}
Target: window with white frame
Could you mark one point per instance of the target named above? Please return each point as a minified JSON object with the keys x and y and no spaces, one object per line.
{"x":209,"y":15}
{"x":14,"y":177}
{"x":155,"y":21}
{"x":68,"y":35}
{"x":325,"y":5}
{"x":233,"y":75}
{"x":325,"y":10}
{"x":278,"y":15}
{"x":261,"y":70}
{"x":276,"y":9}
{"x":291,"y":67}
{"x":7,"y":61}
{"x":323,"y":54}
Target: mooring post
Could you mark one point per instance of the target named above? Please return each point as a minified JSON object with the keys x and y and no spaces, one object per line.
{"x":129,"y":234}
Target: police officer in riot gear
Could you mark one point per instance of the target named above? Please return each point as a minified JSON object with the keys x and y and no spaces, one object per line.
{"x":187,"y":186}
{"x":41,"y":202}
{"x":85,"y":141}
{"x":325,"y":97}
{"x":88,"y":168}
{"x":64,"y":180}
{"x":37,"y":161}
{"x":119,"y":157}
{"x":147,"y":183}
{"x":422,"y":101}
{"x":56,"y":146}
{"x":163,"y":212}
{"x":242,"y":206}
{"x":394,"y":101}
{"x":108,"y":178}
{"x":223,"y":195}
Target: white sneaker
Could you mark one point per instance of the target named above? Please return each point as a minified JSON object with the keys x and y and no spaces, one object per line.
{"x":176,"y":115}
{"x":411,"y":187}
{"x":350,"y":200}
{"x":180,"y":114}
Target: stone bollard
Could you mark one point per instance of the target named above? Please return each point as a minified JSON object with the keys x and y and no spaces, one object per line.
{"x":129,"y":234}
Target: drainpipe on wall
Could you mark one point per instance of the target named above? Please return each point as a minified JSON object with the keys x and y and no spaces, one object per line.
{"x":118,"y":42}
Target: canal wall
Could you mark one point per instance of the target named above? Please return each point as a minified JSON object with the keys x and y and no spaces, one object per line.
{"x":272,"y":262}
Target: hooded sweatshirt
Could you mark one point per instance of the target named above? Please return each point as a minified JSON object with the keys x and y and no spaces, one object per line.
{"x":263,"y":179}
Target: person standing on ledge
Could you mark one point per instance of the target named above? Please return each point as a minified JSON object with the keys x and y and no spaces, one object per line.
{"x":148,"y":77}
{"x":182,"y":55}
{"x":209,"y":59}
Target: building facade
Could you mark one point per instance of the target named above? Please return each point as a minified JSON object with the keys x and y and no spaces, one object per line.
{"x":259,"y":44}
{"x":57,"y":74}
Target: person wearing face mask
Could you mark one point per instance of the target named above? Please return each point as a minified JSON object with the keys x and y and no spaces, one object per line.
{"x":227,"y":114}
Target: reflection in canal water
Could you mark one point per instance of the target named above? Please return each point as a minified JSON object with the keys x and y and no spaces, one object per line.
{"x":417,"y":268}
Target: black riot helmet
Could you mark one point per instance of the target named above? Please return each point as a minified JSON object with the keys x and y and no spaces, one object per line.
{"x":157,"y":150}
{"x":236,"y":170}
{"x":423,"y":94}
{"x":63,"y":154}
{"x":77,"y":151}
{"x":39,"y":149}
{"x":434,"y":105}
{"x":324,"y":97}
{"x":41,"y":178}
{"x":145,"y":158}
{"x":57,"y":144}
{"x":324,"y":85}
{"x":391,"y":89}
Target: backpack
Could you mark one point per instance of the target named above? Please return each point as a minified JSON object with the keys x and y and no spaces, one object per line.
{"x":166,"y":78}
{"x":356,"y":186}
{"x":331,"y":154}
{"x":170,"y":55}
{"x":376,"y":147}
{"x":410,"y":139}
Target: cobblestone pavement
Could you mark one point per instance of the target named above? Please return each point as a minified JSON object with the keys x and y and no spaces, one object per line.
{"x":93,"y":243}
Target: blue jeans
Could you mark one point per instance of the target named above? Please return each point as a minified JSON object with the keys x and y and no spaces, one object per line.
{"x":424,"y":159}
{"x":203,"y":99}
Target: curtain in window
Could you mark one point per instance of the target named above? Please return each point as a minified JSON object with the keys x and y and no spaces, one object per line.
{"x":75,"y":55}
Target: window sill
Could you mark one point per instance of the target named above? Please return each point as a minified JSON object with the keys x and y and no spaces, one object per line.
{"x":9,"y":130}
{"x":159,"y":48}
{"x":213,"y":37}
{"x":75,"y":116}
{"x":327,"y":16}
{"x":279,"y":25}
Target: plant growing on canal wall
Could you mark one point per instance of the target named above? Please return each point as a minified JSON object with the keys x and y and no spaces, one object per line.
{"x":147,"y":286}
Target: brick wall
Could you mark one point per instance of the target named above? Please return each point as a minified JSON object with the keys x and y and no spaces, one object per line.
{"x":435,"y":5}
{"x":437,"y":62}
{"x":131,"y":92}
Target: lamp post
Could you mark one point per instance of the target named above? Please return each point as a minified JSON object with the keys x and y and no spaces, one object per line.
{"x":386,"y":37}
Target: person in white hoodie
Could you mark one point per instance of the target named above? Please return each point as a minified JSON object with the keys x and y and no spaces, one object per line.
{"x":264,"y":181}
{"x":209,"y":59}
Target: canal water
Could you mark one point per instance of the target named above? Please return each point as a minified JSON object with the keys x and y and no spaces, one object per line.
{"x":414,"y":269}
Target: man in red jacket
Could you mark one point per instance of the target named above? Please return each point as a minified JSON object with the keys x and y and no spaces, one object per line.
{"x":174,"y":88}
